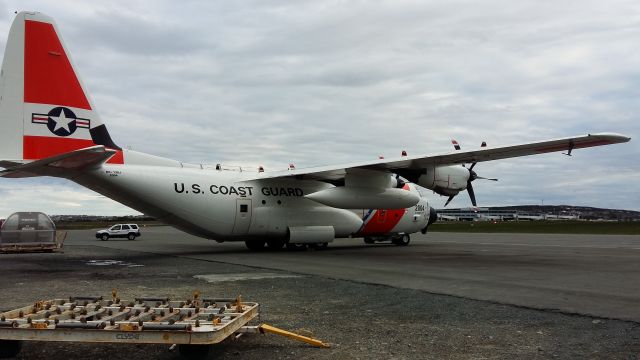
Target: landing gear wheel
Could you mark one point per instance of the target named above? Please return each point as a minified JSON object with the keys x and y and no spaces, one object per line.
{"x":402,"y":240}
{"x":131,"y":236}
{"x":275,"y":244}
{"x":194,"y":352}
{"x":9,"y":348}
{"x":104,"y":237}
{"x":320,"y":246}
{"x":368,"y":240}
{"x":296,"y":246}
{"x":254,"y":245}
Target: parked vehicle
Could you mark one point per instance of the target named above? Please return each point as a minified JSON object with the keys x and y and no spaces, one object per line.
{"x":129,"y":231}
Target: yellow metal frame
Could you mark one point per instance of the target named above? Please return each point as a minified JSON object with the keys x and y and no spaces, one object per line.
{"x":265,"y":328}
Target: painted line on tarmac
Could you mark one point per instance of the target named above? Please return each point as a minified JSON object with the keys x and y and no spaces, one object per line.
{"x":212,"y":278}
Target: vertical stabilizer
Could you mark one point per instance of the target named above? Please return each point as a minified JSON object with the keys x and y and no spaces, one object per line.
{"x":44,"y":108}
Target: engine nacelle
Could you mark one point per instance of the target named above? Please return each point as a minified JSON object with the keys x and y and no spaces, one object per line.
{"x":367,"y":189}
{"x":365,"y":198}
{"x":445,"y":180}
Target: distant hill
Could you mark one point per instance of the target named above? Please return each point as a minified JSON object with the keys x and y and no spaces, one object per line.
{"x":585,"y":212}
{"x":96,"y":218}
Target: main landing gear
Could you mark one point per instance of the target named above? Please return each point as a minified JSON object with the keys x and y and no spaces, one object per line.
{"x":278,"y":244}
{"x":316,"y":246}
{"x":398,"y":239}
{"x":255,"y":245}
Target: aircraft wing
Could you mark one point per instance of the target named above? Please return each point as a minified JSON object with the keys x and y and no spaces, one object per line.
{"x":408,"y":163}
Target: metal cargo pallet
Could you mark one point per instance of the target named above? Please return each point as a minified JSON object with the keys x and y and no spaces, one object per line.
{"x":25,"y":247}
{"x":193,"y":324}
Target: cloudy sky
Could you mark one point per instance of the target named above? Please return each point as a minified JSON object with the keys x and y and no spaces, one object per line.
{"x":324,"y":82}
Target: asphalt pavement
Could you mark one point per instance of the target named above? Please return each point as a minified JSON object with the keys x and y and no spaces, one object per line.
{"x":453,"y":296}
{"x":595,"y":275}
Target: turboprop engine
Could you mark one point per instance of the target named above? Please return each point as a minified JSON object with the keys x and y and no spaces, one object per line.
{"x":445,"y":180}
{"x":368,"y":189}
{"x":450,"y":180}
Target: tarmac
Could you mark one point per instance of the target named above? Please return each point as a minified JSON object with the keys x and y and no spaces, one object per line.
{"x":595,"y":275}
{"x":446,"y":295}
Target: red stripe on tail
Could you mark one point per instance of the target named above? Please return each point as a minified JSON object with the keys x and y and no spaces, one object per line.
{"x":48,"y":75}
{"x":40,"y":147}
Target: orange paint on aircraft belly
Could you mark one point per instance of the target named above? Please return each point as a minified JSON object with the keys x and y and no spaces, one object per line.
{"x":383,"y":221}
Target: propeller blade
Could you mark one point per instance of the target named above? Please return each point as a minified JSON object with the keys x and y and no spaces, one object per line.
{"x":473,"y":176}
{"x":449,"y":200}
{"x":472,"y":195}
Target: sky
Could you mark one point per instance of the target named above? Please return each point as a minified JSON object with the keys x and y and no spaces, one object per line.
{"x":328,"y":82}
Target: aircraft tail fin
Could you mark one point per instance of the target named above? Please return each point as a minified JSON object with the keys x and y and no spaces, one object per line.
{"x":45,"y":109}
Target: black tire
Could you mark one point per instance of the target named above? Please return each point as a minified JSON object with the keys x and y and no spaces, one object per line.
{"x":402,"y":240}
{"x":9,"y":348}
{"x":254,"y":245}
{"x":104,"y":237}
{"x":296,"y":247}
{"x":368,"y":240}
{"x":320,"y":246}
{"x":275,"y":244}
{"x":194,"y":352}
{"x":131,"y":236}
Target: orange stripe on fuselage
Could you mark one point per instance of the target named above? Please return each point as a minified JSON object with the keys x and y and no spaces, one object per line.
{"x":383,"y":221}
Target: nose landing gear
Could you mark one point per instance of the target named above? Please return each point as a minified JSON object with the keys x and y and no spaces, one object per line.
{"x":398,"y":239}
{"x":402,"y":240}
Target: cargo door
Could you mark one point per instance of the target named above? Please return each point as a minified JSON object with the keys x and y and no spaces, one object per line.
{"x":243,"y":216}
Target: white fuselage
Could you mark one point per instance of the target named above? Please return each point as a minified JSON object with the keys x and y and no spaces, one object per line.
{"x":221,"y":205}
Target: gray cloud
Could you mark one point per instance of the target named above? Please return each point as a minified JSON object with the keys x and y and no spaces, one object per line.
{"x":133,"y":34}
{"x":313,"y":83}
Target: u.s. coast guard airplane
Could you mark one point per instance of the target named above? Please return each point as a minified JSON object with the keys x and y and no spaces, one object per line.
{"x":49,"y":127}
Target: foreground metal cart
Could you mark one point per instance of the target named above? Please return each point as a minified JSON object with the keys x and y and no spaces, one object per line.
{"x":193,"y":324}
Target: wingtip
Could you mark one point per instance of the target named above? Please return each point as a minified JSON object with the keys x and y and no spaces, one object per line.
{"x":613,"y":137}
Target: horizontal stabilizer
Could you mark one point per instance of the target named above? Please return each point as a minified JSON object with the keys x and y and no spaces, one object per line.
{"x":52,"y":166}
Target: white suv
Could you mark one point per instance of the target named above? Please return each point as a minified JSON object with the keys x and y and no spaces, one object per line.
{"x":129,"y":231}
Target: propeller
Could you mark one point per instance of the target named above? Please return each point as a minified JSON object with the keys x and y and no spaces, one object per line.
{"x":472,"y":176}
{"x":449,"y":200}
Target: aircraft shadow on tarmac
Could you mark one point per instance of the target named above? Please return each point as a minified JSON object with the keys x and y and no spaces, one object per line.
{"x":211,"y":248}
